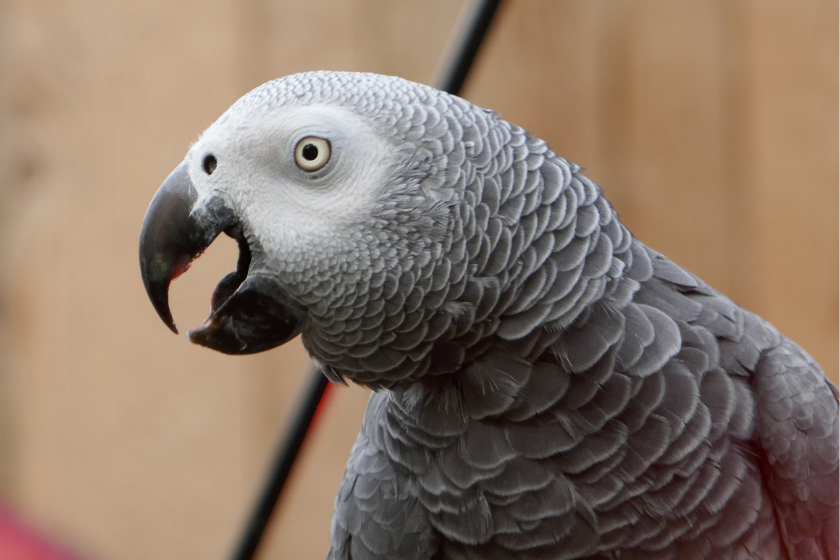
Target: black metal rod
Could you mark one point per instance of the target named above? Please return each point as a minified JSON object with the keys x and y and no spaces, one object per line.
{"x":470,"y":30}
{"x":469,"y":33}
{"x":287,"y":452}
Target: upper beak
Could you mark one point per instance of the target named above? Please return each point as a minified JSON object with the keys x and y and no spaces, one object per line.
{"x":248,"y":313}
{"x":172,"y":237}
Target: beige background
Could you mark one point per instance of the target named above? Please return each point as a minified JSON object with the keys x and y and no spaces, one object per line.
{"x":712,"y":125}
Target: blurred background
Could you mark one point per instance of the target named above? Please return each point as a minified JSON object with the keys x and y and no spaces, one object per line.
{"x":711,"y":124}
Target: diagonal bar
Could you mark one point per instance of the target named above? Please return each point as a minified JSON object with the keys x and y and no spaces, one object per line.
{"x":313,"y":395}
{"x":470,"y":30}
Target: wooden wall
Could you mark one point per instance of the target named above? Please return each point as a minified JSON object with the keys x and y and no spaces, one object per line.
{"x":711,"y":124}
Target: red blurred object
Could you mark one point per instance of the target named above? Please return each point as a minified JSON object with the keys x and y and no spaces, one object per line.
{"x":20,"y":542}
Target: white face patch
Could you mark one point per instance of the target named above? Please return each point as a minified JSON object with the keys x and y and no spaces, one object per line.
{"x":294,"y":213}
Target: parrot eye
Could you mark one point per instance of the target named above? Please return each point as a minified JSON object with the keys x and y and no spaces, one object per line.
{"x":312,"y":153}
{"x":209,"y":164}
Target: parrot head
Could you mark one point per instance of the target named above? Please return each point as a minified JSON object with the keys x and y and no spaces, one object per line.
{"x":345,"y":194}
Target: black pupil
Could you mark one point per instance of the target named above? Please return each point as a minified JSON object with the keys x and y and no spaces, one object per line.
{"x":309,"y":152}
{"x":209,"y":164}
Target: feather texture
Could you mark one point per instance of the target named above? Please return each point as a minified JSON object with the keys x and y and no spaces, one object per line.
{"x":548,"y":387}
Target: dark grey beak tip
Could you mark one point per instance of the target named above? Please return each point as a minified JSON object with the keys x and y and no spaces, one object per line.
{"x":158,"y":293}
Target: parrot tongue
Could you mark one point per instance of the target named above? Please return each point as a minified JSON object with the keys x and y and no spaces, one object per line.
{"x":228,"y":285}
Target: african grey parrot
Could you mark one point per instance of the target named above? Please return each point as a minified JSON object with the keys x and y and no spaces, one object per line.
{"x":545,"y":386}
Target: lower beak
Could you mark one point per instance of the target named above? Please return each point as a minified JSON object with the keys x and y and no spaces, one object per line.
{"x":257,"y":316}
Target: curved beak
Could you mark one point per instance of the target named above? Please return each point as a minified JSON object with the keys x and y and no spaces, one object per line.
{"x":248,"y":313}
{"x":172,"y":237}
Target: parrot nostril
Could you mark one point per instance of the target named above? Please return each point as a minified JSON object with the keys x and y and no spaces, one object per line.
{"x":209,"y":164}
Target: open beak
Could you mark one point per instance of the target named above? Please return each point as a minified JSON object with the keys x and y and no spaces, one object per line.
{"x":249,"y":312}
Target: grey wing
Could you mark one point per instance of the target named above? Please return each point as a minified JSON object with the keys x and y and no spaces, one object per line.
{"x":797,"y":428}
{"x":377,"y":514}
{"x":794,"y":420}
